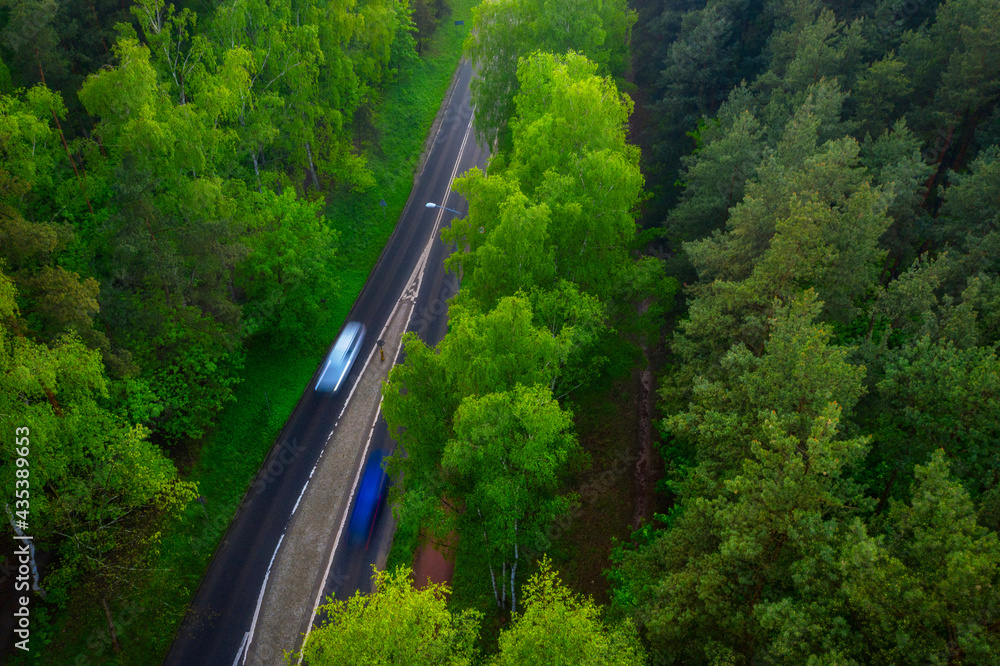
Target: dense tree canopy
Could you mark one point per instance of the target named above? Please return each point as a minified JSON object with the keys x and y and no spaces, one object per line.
{"x":832,"y":396}
{"x":544,"y":252}
{"x":822,"y":176}
{"x":396,"y":624}
{"x":163,"y":169}
{"x":504,"y":31}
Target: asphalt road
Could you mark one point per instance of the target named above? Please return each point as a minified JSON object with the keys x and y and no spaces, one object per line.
{"x":223,"y":608}
{"x":352,"y":564}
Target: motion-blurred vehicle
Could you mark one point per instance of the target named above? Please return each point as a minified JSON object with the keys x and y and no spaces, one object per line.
{"x":370,"y":490}
{"x":341,"y":358}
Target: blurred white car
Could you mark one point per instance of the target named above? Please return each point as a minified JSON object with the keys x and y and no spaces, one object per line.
{"x":341,"y":358}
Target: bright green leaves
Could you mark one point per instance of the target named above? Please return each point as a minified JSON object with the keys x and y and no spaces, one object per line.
{"x":515,"y":344}
{"x":28,"y":143}
{"x":396,"y":624}
{"x":288,"y":274}
{"x":507,"y":31}
{"x":480,"y":425}
{"x":522,"y":434}
{"x":558,"y":628}
{"x":127,"y":100}
{"x":504,"y":462}
{"x":138,"y":119}
{"x":185,"y":237}
{"x":515,"y":255}
{"x":92,"y":474}
{"x":482,"y":354}
{"x":566,"y":194}
{"x":500,"y":349}
{"x":569,"y":153}
{"x":400,"y":624}
{"x":564,"y":110}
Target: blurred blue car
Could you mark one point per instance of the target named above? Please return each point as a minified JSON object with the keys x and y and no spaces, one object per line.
{"x":373,"y":482}
{"x":341,"y":358}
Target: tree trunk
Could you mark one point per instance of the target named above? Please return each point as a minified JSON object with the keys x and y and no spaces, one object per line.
{"x":885,"y":493}
{"x":312,"y":167}
{"x":72,"y":162}
{"x":496,"y":595}
{"x":503,"y":585}
{"x":493,"y":577}
{"x":256,"y":169}
{"x":111,"y":627}
{"x":513,"y":571}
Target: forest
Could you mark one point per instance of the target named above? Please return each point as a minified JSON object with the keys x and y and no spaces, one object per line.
{"x":797,"y":200}
{"x":164,"y":172}
{"x":787,"y":211}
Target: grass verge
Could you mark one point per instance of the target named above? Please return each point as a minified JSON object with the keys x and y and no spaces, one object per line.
{"x":273,"y":380}
{"x":405,"y":542}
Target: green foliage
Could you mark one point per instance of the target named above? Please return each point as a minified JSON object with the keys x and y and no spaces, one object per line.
{"x":935,"y":396}
{"x":178,"y":214}
{"x":790,"y":384}
{"x":505,"y":32}
{"x":558,"y":628}
{"x":926,"y":591}
{"x":751,"y":566}
{"x":808,"y":220}
{"x":397,"y":623}
{"x":847,"y":185}
{"x":95,"y":480}
{"x":401,"y":624}
{"x":715,"y":176}
{"x":288,"y":274}
{"x":482,"y":354}
{"x":968,"y":206}
{"x":480,"y":426}
{"x":504,"y":463}
{"x":565,"y":194}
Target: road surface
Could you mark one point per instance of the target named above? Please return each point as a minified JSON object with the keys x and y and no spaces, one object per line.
{"x":220,"y":625}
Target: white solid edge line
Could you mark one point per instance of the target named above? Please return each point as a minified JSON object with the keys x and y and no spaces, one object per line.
{"x":418,"y":273}
{"x":340,"y":532}
{"x":242,"y":646}
{"x":294,"y":508}
{"x":260,"y":598}
{"x":425,"y":255}
{"x":378,"y":412}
